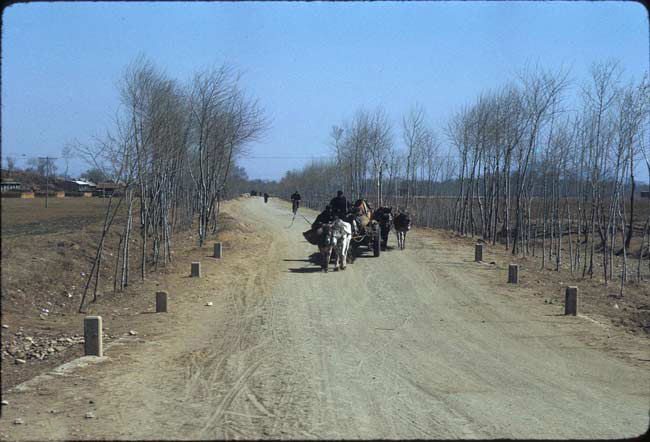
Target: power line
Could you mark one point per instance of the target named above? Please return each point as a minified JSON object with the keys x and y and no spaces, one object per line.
{"x":288,"y":157}
{"x":22,"y":156}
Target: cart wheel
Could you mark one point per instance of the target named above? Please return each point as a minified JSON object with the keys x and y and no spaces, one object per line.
{"x":350,"y":258}
{"x":376,"y":244}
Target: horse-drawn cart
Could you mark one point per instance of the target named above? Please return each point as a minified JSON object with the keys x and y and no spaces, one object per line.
{"x":367,"y":233}
{"x":362,"y":231}
{"x":367,"y":236}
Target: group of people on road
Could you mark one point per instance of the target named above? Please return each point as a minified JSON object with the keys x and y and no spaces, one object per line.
{"x":339,"y":207}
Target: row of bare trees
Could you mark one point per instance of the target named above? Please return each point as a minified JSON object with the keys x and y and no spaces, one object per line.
{"x":544,"y":165}
{"x":173,"y":152}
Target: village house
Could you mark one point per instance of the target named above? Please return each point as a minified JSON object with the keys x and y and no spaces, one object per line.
{"x":78,"y":186}
{"x":8,"y":184}
{"x":106,"y":189}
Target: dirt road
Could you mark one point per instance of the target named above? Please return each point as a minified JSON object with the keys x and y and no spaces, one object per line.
{"x":418,"y":343}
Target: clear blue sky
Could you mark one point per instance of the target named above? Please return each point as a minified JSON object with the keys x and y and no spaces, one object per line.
{"x":310,"y":64}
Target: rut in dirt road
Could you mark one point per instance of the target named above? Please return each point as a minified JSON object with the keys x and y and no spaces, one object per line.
{"x":412,"y":344}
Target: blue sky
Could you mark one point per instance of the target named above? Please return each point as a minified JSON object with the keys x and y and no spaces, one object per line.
{"x":310,"y":64}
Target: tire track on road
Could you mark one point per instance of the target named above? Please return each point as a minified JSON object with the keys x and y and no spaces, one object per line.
{"x":237,"y":387}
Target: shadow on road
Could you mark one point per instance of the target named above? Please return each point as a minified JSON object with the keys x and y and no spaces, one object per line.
{"x":314,"y":259}
{"x":305,"y":270}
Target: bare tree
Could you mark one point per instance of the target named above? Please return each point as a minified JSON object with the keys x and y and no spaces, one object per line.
{"x":414,"y":133}
{"x":11,"y":164}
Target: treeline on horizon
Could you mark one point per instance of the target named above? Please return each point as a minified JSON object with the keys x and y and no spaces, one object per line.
{"x":542,"y":164}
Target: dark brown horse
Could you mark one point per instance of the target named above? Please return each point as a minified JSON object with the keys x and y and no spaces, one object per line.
{"x":322,"y":235}
{"x":384,"y":216}
{"x":324,"y":238}
{"x":402,"y":223}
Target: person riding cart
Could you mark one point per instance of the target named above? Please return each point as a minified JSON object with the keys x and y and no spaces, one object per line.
{"x":314,"y":235}
{"x":325,"y":217}
{"x":339,"y":205}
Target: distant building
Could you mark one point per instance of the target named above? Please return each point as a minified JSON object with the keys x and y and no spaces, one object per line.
{"x":645,"y":194}
{"x":78,"y":186}
{"x":106,"y":189}
{"x":8,"y":184}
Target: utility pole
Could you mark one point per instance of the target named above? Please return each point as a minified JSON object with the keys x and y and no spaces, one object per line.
{"x":47,"y":176}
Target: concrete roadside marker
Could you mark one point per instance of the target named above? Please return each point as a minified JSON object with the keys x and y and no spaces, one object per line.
{"x":571,"y":301}
{"x":196,"y":270}
{"x":478,"y":252}
{"x":513,"y":274}
{"x":93,"y":336}
{"x":217,"y":250}
{"x":161,"y":302}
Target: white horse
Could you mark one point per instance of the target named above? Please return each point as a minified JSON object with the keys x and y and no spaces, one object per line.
{"x":342,"y":234}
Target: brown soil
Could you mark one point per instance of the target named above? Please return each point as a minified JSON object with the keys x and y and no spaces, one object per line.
{"x":46,"y":256}
{"x":28,"y":217}
{"x":630,"y":312}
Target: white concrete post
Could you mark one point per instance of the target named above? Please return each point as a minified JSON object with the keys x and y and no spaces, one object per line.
{"x":478,"y":252}
{"x":217,"y":250}
{"x":93,"y":336}
{"x":571,"y":301}
{"x":513,"y":274}
{"x":161,"y":302}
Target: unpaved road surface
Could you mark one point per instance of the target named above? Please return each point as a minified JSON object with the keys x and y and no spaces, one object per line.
{"x":413,"y":344}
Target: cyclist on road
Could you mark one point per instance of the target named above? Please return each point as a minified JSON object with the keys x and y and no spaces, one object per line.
{"x":295,"y":201}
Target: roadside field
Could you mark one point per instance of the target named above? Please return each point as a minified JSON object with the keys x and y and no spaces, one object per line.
{"x":30,"y":217}
{"x":46,"y":256}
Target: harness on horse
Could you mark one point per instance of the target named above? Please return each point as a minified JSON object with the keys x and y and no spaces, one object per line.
{"x":294,"y":219}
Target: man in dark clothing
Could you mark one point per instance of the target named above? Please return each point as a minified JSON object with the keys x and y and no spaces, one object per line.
{"x":295,"y":201}
{"x":339,"y":205}
{"x":266,"y":197}
{"x":325,"y":217}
